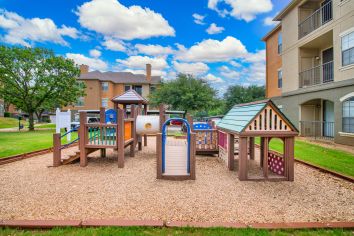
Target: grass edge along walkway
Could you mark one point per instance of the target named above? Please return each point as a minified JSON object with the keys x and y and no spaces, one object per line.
{"x":126,"y":231}
{"x":334,"y":160}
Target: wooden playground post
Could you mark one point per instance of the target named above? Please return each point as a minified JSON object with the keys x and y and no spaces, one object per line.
{"x":162,"y":115}
{"x":190,"y":121}
{"x":102,"y":121}
{"x":242,"y":163}
{"x":159,"y":155}
{"x":145,"y":136}
{"x":82,"y":141}
{"x":120,"y":138}
{"x":289,"y":157}
{"x":139,"y":137}
{"x":265,"y":156}
{"x":133,"y":130}
{"x":192,"y":156}
{"x":251,"y":148}
{"x":56,"y":150}
{"x":231,"y":151}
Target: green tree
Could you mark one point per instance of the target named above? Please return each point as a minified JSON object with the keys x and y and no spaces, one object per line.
{"x":238,"y":94}
{"x":185,"y":93}
{"x":33,"y":79}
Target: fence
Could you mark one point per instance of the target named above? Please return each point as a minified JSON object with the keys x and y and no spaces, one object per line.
{"x":317,"y":129}
{"x":316,"y":75}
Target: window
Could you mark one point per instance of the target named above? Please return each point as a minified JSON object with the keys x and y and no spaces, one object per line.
{"x":80,"y":102}
{"x":348,"y":49}
{"x":126,"y":88}
{"x":138,"y":89}
{"x":152,"y":89}
{"x":105,"y":102}
{"x":280,"y":78}
{"x":104,"y":86}
{"x":280,"y":43}
{"x":348,"y":115}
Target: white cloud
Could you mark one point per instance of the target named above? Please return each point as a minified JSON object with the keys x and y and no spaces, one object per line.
{"x":198,"y":19}
{"x":235,"y":64}
{"x":93,"y":63}
{"x":256,"y":73}
{"x":26,"y":32}
{"x":211,"y":50}
{"x":95,"y":53}
{"x":139,"y":62}
{"x":268,"y":21}
{"x":259,"y":56}
{"x":197,"y":68}
{"x":212,"y":78}
{"x":241,"y":9}
{"x":112,"y":19}
{"x":214,"y":29}
{"x":154,"y":50}
{"x":228,"y":73}
{"x":114,"y":45}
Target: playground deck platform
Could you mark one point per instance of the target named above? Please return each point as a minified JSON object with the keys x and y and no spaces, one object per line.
{"x":31,"y":190}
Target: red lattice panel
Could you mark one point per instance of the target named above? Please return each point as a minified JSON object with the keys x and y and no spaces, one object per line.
{"x":276,"y":163}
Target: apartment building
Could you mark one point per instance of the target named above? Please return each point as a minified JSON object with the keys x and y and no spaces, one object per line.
{"x":317,"y":67}
{"x":101,"y":87}
{"x":274,"y":72}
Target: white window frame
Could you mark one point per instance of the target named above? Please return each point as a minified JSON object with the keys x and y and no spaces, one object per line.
{"x":105,"y":86}
{"x":341,"y":35}
{"x":280,"y":70}
{"x":104,"y":100}
{"x":346,"y":100}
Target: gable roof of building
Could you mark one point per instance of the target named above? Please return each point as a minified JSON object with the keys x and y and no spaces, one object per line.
{"x":286,"y":10}
{"x":240,"y":116}
{"x":119,"y":77}
{"x":129,"y":97}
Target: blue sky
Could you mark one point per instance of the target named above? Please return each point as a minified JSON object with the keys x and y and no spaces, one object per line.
{"x":218,"y":40}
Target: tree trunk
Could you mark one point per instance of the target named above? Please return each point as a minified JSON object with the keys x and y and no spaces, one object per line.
{"x":31,"y":121}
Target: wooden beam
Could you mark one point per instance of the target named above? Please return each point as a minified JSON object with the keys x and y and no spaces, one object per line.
{"x":56,"y":150}
{"x":145,"y":136}
{"x":140,"y":146}
{"x":102,"y":115}
{"x":190,"y":121}
{"x":265,"y":156}
{"x":242,"y":159}
{"x":261,"y":152}
{"x":192,"y":156}
{"x":82,"y":140}
{"x":120,"y":138}
{"x":251,"y":147}
{"x":230,"y":152}
{"x":289,"y":156}
{"x":162,"y":115}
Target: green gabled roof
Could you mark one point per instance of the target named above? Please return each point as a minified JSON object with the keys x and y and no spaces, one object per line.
{"x":240,"y":116}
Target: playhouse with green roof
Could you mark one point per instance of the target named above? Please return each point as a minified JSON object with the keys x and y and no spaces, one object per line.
{"x":237,"y":132}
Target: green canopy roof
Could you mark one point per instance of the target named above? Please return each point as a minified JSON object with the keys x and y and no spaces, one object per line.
{"x":240,"y":116}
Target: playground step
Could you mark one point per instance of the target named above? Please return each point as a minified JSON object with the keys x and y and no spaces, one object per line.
{"x":69,"y":159}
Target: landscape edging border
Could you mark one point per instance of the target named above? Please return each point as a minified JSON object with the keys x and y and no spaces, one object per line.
{"x":19,"y":157}
{"x":49,"y":224}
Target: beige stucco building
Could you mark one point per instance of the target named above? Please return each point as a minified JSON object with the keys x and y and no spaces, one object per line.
{"x":318,"y":67}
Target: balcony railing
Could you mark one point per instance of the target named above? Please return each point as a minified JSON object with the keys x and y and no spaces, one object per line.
{"x":316,"y":75}
{"x":317,"y":129}
{"x":320,"y":17}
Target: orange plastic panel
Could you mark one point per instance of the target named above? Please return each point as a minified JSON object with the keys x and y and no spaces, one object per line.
{"x":127,"y":130}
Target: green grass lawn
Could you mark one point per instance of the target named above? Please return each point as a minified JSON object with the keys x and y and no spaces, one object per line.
{"x":13,"y":143}
{"x":6,"y":122}
{"x":127,"y":231}
{"x":45,"y":125}
{"x":339,"y":161}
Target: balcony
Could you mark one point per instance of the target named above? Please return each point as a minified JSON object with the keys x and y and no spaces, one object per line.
{"x":317,"y":129}
{"x":316,"y":75}
{"x":319,"y":17}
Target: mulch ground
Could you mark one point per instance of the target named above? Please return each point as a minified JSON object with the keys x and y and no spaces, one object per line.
{"x":31,"y":190}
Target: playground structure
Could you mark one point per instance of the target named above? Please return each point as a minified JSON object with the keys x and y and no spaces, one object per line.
{"x":237,"y":132}
{"x":233,"y":136}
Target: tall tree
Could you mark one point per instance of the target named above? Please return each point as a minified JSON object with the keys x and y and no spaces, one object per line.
{"x":239,"y":94}
{"x":34,"y":79}
{"x":185,"y":93}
